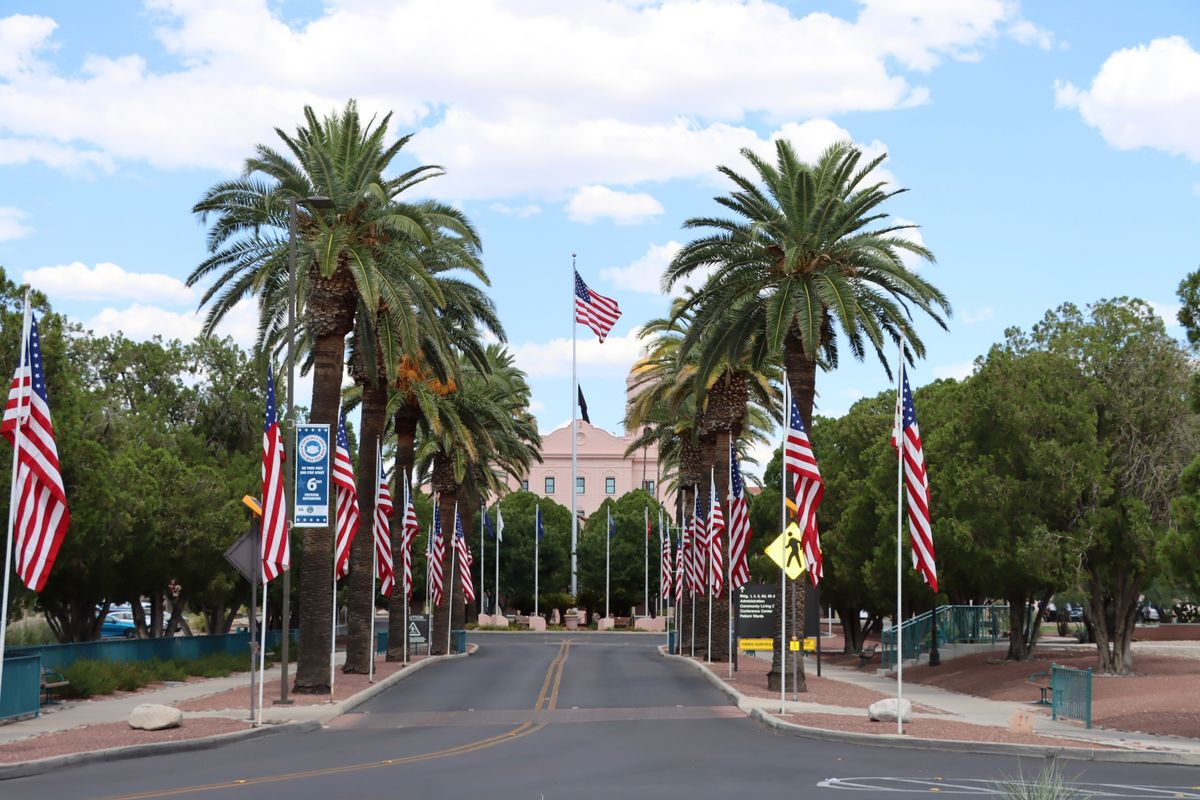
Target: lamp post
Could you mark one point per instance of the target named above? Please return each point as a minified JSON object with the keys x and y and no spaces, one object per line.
{"x":315,"y":201}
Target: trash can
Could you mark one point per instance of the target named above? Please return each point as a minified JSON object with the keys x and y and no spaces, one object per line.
{"x":671,"y":642}
{"x":381,"y":639}
{"x":458,"y":641}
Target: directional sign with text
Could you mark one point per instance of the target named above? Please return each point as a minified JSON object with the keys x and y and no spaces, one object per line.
{"x":787,"y":551}
{"x":312,"y":477}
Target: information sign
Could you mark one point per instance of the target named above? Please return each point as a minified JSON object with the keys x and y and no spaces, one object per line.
{"x":312,"y":477}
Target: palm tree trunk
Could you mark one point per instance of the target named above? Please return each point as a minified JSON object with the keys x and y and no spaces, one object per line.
{"x":405,"y":423}
{"x":316,"y":566}
{"x":450,"y":613}
{"x":720,"y":622}
{"x":360,"y":630}
{"x":691,"y":458}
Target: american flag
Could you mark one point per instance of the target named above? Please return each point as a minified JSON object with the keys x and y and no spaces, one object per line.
{"x":698,"y":549}
{"x":437,"y":556}
{"x":41,"y":517}
{"x":408,"y":534}
{"x":681,"y":549}
{"x":716,"y":528}
{"x":347,"y":501}
{"x":276,"y":552}
{"x":384,"y":566}
{"x":916,"y":484}
{"x":739,"y":526}
{"x":594,"y":310}
{"x":809,"y":488}
{"x":664,"y":561}
{"x":464,"y":558}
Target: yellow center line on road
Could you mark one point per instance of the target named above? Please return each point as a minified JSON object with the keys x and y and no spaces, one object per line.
{"x":547,"y":698}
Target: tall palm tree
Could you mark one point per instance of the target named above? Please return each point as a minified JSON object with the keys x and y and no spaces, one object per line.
{"x":347,"y":255}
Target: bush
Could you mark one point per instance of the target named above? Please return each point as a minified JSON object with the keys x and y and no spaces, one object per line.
{"x":28,"y":632}
{"x":1048,"y":785}
{"x":217,"y":665}
{"x":90,"y":678}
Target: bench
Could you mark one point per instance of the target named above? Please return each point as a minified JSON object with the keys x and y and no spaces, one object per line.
{"x":1042,"y":681}
{"x":865,"y":654}
{"x":52,"y":682}
{"x":621,"y":622}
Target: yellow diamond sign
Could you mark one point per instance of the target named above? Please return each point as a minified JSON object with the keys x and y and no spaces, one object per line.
{"x":786,"y":551}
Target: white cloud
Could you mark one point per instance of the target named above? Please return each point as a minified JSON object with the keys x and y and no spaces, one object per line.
{"x":1145,"y":96}
{"x":613,"y":358}
{"x":1168,"y":312}
{"x":645,"y":273}
{"x":591,"y":203}
{"x":520,"y":212}
{"x":141,"y":322}
{"x":957,"y":371}
{"x":577,"y":90}
{"x":974,"y":317}
{"x":536,"y":406}
{"x":1026,"y":32}
{"x":105,"y":281}
{"x":12,"y":224}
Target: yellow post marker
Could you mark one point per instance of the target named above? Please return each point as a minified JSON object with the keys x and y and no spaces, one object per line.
{"x":253,"y":505}
{"x":786,"y":551}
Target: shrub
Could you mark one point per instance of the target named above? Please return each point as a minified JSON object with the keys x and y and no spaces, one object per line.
{"x":1048,"y":785}
{"x":90,"y":678}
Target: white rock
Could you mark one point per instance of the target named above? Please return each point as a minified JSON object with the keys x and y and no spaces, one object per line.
{"x":154,"y":717}
{"x":885,"y":710}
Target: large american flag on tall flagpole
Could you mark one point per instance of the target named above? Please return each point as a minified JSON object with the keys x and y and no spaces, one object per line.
{"x":437,"y":557}
{"x":347,"y":500}
{"x":464,"y":558}
{"x":681,"y":559}
{"x":38,"y":501}
{"x":276,"y":551}
{"x":716,"y":527}
{"x":664,"y":561}
{"x":385,"y":568}
{"x":699,"y":546}
{"x":800,"y":461}
{"x":595,"y":310}
{"x":916,"y":485}
{"x":409,"y":534}
{"x":739,"y":526}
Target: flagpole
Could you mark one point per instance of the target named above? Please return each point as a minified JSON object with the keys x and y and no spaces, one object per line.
{"x":536,"y":519}
{"x":708,"y":537}
{"x":450,"y":580}
{"x":691,"y":561}
{"x":496,"y":593}
{"x":607,"y":549}
{"x":333,"y":625}
{"x":262,"y":653}
{"x":482,"y":554}
{"x":429,"y":582}
{"x":574,"y":447}
{"x":375,"y":560}
{"x":787,"y":410}
{"x":403,"y":557}
{"x":729,"y":550}
{"x":646,"y":556}
{"x":899,"y":540}
{"x":12,"y":490}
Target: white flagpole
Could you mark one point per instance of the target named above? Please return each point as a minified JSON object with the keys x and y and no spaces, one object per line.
{"x":646,"y":556}
{"x":374,"y":561}
{"x":12,"y":491}
{"x":429,"y":580}
{"x":262,"y":652}
{"x":407,"y":549}
{"x":574,"y":435}
{"x":482,"y":554}
{"x":496,"y":592}
{"x":708,"y":561}
{"x":607,"y":548}
{"x":450,"y":578}
{"x":899,"y":430}
{"x":787,"y":415}
{"x":333,"y":622}
{"x":729,"y":549}
{"x":537,"y":518}
{"x":691,"y":560}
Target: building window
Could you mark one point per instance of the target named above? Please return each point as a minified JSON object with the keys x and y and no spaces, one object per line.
{"x":579,"y":485}
{"x":610,"y":485}
{"x":549,"y":485}
{"x":648,"y":486}
{"x":525,"y":486}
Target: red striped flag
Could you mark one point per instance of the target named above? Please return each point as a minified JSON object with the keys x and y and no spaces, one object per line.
{"x":916,"y":485}
{"x":809,"y":488}
{"x":411,"y":527}
{"x":464,"y":559}
{"x":438,"y":557}
{"x":739,"y":526}
{"x":385,"y":568}
{"x":347,"y":501}
{"x":595,"y":310}
{"x":40,"y":516}
{"x":681,"y":564}
{"x":699,"y":546}
{"x":716,"y":529}
{"x":276,"y":551}
{"x":664,"y":561}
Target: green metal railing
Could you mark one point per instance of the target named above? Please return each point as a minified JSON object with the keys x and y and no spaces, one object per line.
{"x":1071,"y":690}
{"x":21,"y":694}
{"x":955,"y":624}
{"x":58,"y":656}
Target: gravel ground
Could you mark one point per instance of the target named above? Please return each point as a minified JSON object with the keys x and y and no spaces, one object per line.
{"x":113,"y":734}
{"x":924,"y":728}
{"x":344,"y":685}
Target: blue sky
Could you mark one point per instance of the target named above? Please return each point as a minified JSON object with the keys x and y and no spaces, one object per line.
{"x":1051,"y":150}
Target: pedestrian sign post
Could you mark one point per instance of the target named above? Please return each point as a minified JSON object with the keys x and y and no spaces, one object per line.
{"x":788,"y":553}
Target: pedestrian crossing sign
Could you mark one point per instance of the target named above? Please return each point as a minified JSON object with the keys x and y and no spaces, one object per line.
{"x":787,"y":552}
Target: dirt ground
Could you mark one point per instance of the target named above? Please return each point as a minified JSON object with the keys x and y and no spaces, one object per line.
{"x":113,"y":734}
{"x":926,"y":728}
{"x":343,"y":686}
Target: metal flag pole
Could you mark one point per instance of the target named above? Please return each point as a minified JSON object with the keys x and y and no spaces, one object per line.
{"x":574,"y":446}
{"x":255,"y":578}
{"x":333,"y":624}
{"x":262,"y":653}
{"x":899,"y":431}
{"x":708,"y":561}
{"x":646,"y":557}
{"x":374,"y":561}
{"x":536,"y":519}
{"x":403,"y":559}
{"x":482,"y":554}
{"x":450,"y":580}
{"x":729,"y":550}
{"x":429,"y":581}
{"x":607,"y":550}
{"x":12,"y":491}
{"x":787,"y":411}
{"x":691,"y":561}
{"x":499,"y":537}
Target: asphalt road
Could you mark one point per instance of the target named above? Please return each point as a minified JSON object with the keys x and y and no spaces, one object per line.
{"x":565,"y":716}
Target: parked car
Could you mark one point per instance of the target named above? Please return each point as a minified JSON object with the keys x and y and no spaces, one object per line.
{"x":118,"y":624}
{"x":1147,"y":613}
{"x":1074,"y":612}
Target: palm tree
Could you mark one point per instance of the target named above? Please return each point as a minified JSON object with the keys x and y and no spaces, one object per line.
{"x":809,"y":255}
{"x":347,"y":263}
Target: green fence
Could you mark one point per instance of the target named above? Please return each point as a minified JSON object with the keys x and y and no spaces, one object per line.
{"x":1071,"y":690}
{"x":58,"y":656}
{"x":955,"y":624}
{"x":21,"y":692}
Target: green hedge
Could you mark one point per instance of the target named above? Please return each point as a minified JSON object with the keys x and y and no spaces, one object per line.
{"x":90,"y":678}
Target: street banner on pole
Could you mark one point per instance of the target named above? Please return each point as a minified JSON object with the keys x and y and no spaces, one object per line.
{"x":312,"y":476}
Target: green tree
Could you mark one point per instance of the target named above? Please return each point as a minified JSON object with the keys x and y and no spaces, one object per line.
{"x":627,"y":554}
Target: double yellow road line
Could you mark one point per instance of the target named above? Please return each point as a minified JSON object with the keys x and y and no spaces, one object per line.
{"x":547,"y":700}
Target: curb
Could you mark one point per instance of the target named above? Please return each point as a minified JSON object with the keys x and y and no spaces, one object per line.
{"x":945,"y":745}
{"x":25,"y":769}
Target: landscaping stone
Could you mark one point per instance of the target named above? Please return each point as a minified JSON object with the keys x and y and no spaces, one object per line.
{"x":537,"y":623}
{"x":649,"y":624}
{"x":155,"y":717}
{"x":885,"y":710}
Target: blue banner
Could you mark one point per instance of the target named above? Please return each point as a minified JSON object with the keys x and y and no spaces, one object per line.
{"x":312,"y":477}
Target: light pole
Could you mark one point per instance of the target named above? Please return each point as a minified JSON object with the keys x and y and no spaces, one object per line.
{"x":316,"y":201}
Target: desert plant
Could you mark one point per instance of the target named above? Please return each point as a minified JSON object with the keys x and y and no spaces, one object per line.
{"x":1048,"y":785}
